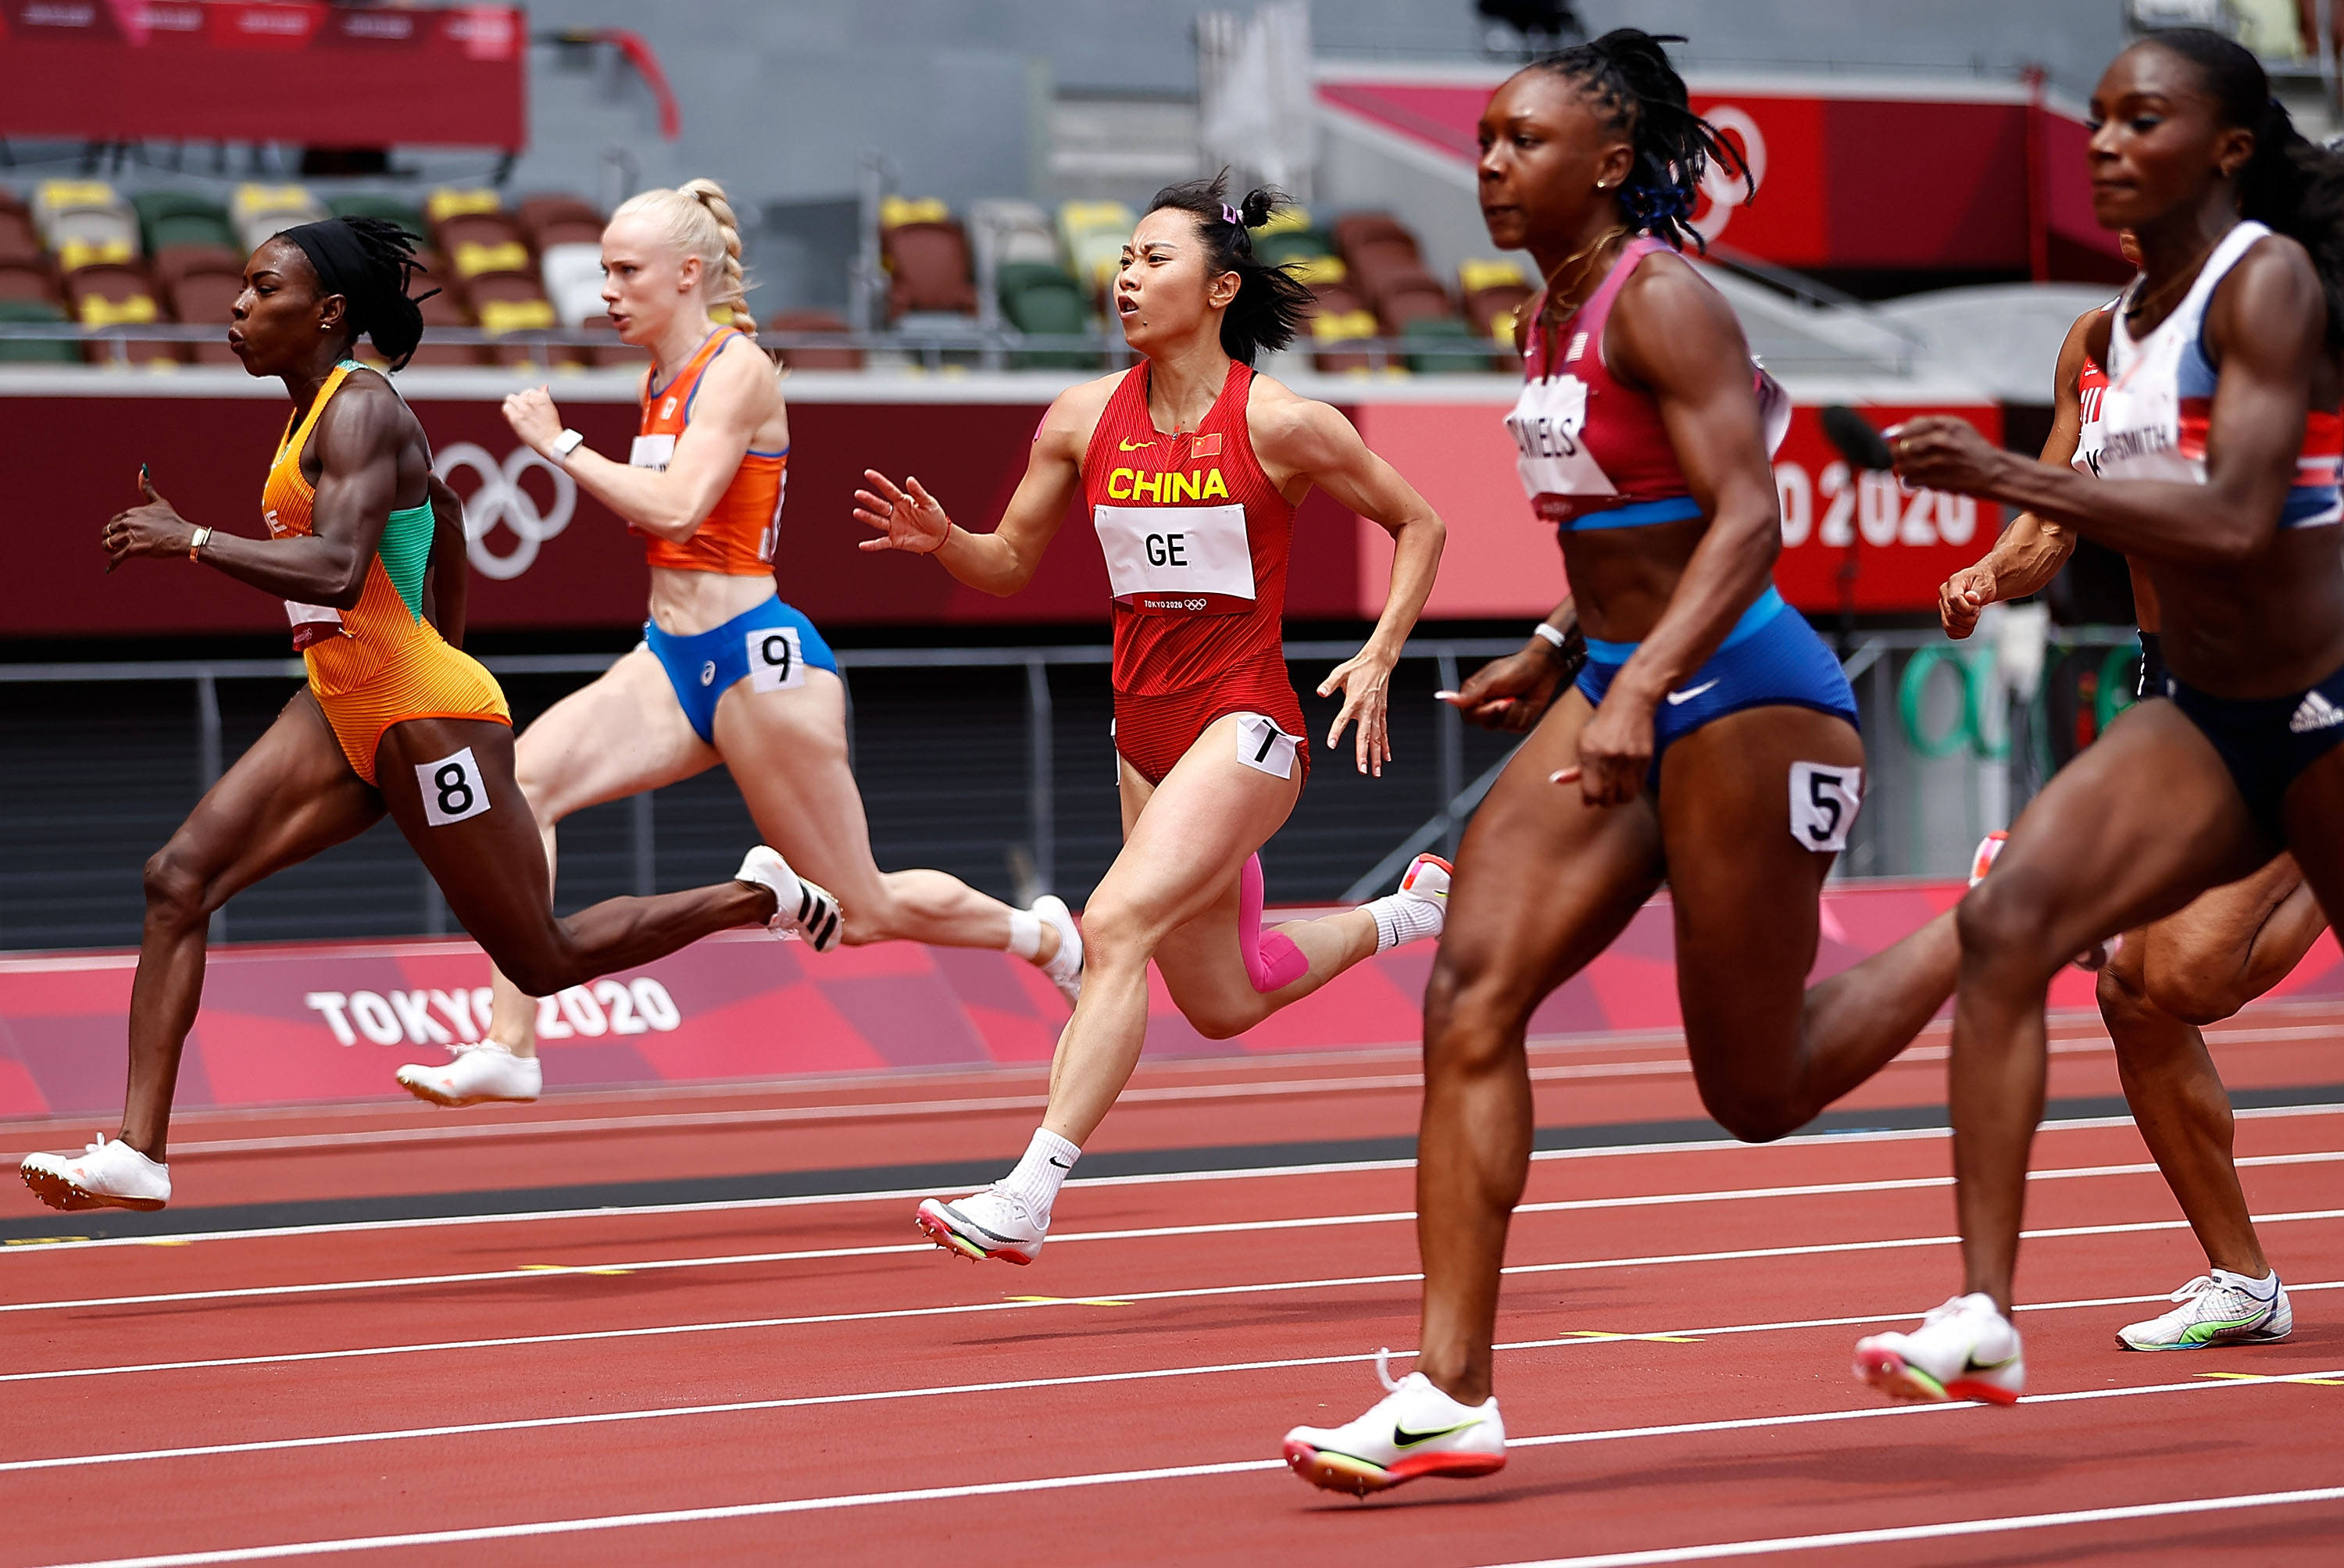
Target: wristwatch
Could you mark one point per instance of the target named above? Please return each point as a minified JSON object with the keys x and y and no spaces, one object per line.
{"x":568,"y":442}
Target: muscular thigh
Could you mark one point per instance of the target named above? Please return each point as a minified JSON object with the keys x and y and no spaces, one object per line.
{"x":1754,"y":808}
{"x":2313,"y":813}
{"x":786,"y":751}
{"x":619,"y":736}
{"x":1544,"y":882}
{"x":449,"y":784}
{"x":289,"y":797}
{"x":2216,"y":930}
{"x":1188,"y":837}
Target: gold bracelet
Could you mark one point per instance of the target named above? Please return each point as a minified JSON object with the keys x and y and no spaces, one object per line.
{"x":196,"y":540}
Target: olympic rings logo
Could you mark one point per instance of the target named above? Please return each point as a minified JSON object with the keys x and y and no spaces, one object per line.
{"x":500,"y":498}
{"x":1723,"y":186}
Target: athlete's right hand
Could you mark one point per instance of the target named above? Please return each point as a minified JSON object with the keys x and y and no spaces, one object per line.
{"x":1511,"y":693}
{"x":910,"y":517}
{"x":1963,"y":596}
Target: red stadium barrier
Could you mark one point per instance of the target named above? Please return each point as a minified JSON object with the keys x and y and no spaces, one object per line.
{"x":282,"y":1024}
{"x":552,"y":557}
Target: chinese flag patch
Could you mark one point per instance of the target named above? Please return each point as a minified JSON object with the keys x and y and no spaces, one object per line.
{"x":1205,"y":446}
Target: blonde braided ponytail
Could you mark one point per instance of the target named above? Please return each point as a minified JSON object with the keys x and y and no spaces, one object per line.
{"x":699,"y":222}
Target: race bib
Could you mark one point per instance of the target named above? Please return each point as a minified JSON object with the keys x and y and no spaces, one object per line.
{"x":1823,"y":803}
{"x":312,"y":623}
{"x":1178,"y":560}
{"x":453,"y":789}
{"x":1264,"y":747}
{"x":650,"y":452}
{"x":1547,"y":420}
{"x":776,"y":659}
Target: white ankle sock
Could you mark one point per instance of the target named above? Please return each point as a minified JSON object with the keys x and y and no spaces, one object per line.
{"x":1024,"y":933}
{"x":1400,"y":920}
{"x":1035,"y":1181}
{"x":2262,"y":1290}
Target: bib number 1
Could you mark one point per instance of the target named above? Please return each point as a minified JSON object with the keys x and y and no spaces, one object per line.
{"x":1264,"y":747}
{"x":452,"y":789}
{"x":1823,"y":803}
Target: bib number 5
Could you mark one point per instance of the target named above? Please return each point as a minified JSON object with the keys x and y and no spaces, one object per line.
{"x":1823,"y":802}
{"x":452,"y":789}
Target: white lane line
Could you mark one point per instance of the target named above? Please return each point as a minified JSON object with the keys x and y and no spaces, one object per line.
{"x":879,"y":1396}
{"x":1147,"y":1233}
{"x":1946,"y":1531}
{"x":1097,"y":1479}
{"x":1132,"y":1298}
{"x":883,"y":1110}
{"x":1248,"y":1173}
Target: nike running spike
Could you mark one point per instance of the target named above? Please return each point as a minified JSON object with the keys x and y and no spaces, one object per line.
{"x":987,"y":1224}
{"x":1414,"y":1430}
{"x":800,"y":908}
{"x":486,"y":1071}
{"x":1964,"y":1350}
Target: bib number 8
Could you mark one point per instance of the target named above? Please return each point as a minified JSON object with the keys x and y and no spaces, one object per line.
{"x":1824,"y":803}
{"x":452,"y":789}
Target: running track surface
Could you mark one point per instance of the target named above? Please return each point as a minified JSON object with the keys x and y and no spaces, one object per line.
{"x":698,"y":1327}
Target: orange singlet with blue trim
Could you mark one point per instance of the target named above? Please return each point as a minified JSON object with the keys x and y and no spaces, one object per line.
{"x":738,"y":536}
{"x":380,"y":663}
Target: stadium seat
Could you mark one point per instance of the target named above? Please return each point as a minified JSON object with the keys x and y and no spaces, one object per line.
{"x":1381,"y":265}
{"x":505,"y":302}
{"x":1095,"y":233}
{"x":28,"y":281}
{"x":1315,"y":271}
{"x":1443,"y":329}
{"x":929,"y":267}
{"x":539,"y":213}
{"x":390,"y":208}
{"x":448,"y":201}
{"x":259,"y":211}
{"x":173,"y":262}
{"x":203,"y":299}
{"x":1285,"y":221}
{"x":845,"y":358}
{"x":895,"y":211}
{"x":611,"y":352}
{"x":1291,"y":246}
{"x":477,"y":243}
{"x":86,"y":223}
{"x":1416,"y":299}
{"x":1046,"y":299}
{"x":180,"y":218}
{"x":1012,"y":234}
{"x":1331,"y":327}
{"x":1354,"y":229}
{"x":442,"y":309}
{"x":573,"y":280}
{"x":35,"y":352}
{"x":20,"y":242}
{"x":111,"y":294}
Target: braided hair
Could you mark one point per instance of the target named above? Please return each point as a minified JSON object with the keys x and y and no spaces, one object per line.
{"x":2293,"y":185}
{"x":699,"y":220}
{"x":1637,"y":93}
{"x":1271,"y":303}
{"x":368,"y":261}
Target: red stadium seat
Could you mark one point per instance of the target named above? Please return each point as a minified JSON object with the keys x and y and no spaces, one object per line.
{"x":174,"y":262}
{"x":115,"y":294}
{"x":839,"y":358}
{"x":28,"y":281}
{"x":202,"y":300}
{"x":929,"y":265}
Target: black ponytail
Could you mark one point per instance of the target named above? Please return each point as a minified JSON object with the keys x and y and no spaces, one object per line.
{"x":1640,"y":95}
{"x":1271,"y":303}
{"x":2294,"y":185}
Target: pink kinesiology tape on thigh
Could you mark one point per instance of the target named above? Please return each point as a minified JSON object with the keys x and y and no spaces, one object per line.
{"x":1272,"y":962}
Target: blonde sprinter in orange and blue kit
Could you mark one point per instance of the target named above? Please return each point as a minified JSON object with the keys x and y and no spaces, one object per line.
{"x":727,"y":671}
{"x":367,"y":550}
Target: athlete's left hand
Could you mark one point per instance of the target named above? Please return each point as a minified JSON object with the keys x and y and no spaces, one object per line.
{"x":1938,"y":451}
{"x":533,"y":418}
{"x":155,"y":528}
{"x":1365,"y":681}
{"x":1615,"y":751}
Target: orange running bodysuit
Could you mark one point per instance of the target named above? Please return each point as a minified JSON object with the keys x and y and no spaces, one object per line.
{"x":737,"y":537}
{"x":381,"y":663}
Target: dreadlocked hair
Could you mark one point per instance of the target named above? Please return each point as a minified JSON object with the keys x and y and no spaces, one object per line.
{"x":378,"y":307}
{"x":2291,"y":184}
{"x":1638,"y":95}
{"x":1271,"y":303}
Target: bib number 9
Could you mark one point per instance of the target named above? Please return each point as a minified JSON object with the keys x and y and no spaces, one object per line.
{"x":1823,"y":803}
{"x":776,"y":659}
{"x":452,"y":789}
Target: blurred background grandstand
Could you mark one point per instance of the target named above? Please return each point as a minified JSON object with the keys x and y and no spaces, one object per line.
{"x":933,"y":195}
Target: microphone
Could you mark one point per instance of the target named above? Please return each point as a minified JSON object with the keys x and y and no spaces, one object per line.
{"x":1857,"y":441}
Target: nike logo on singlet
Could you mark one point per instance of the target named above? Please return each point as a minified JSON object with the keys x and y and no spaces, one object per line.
{"x":1676,"y":698}
{"x":1132,"y":446}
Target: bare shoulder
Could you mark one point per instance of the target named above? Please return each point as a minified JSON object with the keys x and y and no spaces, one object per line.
{"x":2271,"y":297}
{"x":1065,"y":429}
{"x":1670,"y":327}
{"x":1667,"y":285}
{"x":365,"y":419}
{"x":1282,"y":420}
{"x":744,"y":378}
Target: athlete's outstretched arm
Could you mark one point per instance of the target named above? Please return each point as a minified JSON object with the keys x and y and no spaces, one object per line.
{"x":358,"y":442}
{"x":1673,"y":333}
{"x":2267,"y":329}
{"x":738,"y":391}
{"x":1003,"y":562}
{"x":1513,"y":693}
{"x":2033,"y":549}
{"x":448,"y":585}
{"x":1302,"y":442}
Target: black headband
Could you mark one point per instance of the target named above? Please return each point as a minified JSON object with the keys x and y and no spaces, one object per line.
{"x":336,"y":252}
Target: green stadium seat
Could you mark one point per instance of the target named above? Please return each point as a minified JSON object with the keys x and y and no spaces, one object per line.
{"x":35,"y":351}
{"x":180,"y":218}
{"x":1046,"y":300}
{"x":391,"y":208}
{"x":1443,"y":329}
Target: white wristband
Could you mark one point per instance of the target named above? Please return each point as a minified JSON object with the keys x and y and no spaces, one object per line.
{"x":1549,"y":632}
{"x":565,"y":443}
